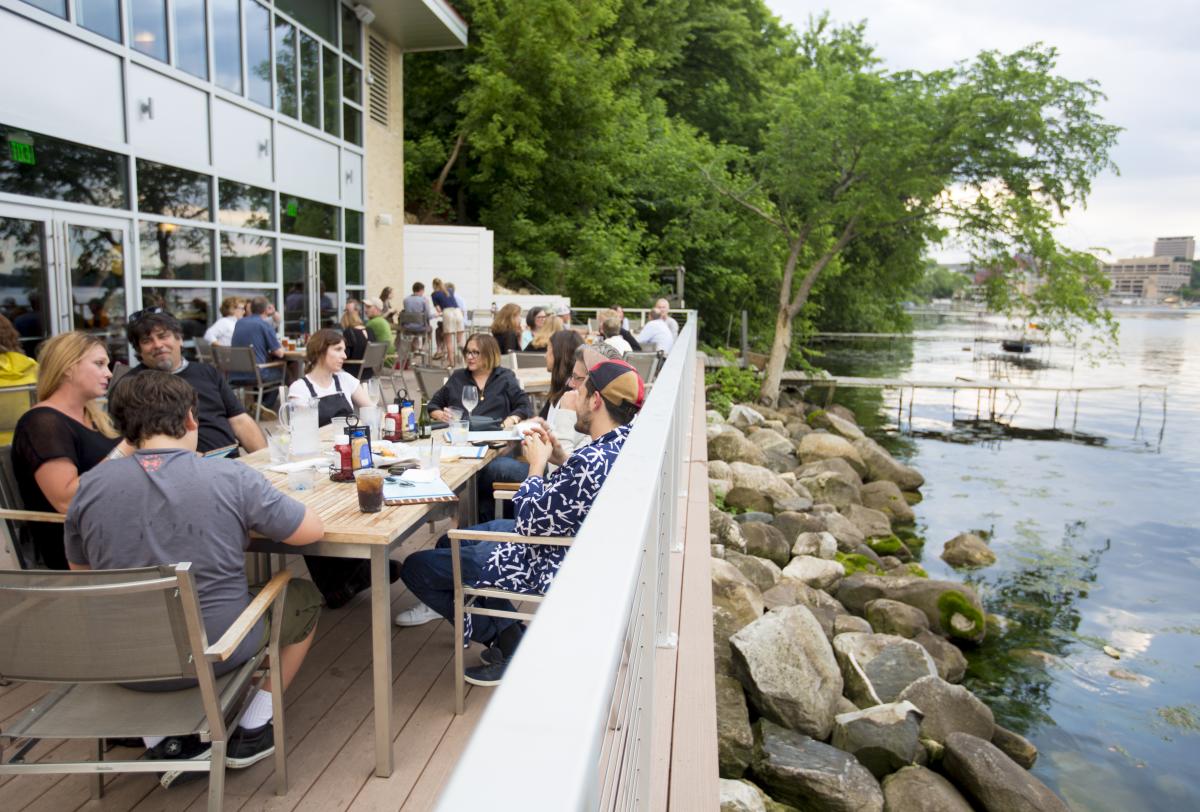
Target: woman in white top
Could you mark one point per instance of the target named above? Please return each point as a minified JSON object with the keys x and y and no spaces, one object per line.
{"x":221,"y":333}
{"x":337,"y":393}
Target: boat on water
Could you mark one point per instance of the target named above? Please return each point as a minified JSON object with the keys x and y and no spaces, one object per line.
{"x":1016,"y":345}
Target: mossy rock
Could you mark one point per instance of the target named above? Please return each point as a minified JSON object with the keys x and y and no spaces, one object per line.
{"x":817,"y":419}
{"x":887,"y":545}
{"x":909,"y":537}
{"x":916,"y":569}
{"x":951,"y":603}
{"x":912,"y":497}
{"x":853,"y":562}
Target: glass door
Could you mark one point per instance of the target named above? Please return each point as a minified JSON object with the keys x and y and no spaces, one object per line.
{"x":312,"y":293}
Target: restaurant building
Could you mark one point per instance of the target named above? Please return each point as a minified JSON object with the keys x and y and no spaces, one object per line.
{"x":174,"y":152}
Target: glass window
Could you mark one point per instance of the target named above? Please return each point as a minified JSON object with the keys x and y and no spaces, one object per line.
{"x":245,"y":206}
{"x":351,"y":34}
{"x":23,"y":268}
{"x":352,"y":82}
{"x":310,"y":80}
{"x":307,"y":218}
{"x":354,"y":226}
{"x":227,"y":44}
{"x":332,"y":98}
{"x":352,"y":125}
{"x":173,"y":192}
{"x":169,"y":251}
{"x":258,"y":54}
{"x":148,"y":27}
{"x":247,"y":257}
{"x":354,"y":266}
{"x":40,"y":166}
{"x":101,"y":16}
{"x":285,"y":67}
{"x":191,"y":37}
{"x":317,"y":15}
{"x":192,"y":306}
{"x":270,"y":294}
{"x":56,"y":7}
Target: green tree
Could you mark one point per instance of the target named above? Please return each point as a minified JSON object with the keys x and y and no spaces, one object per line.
{"x":995,"y":151}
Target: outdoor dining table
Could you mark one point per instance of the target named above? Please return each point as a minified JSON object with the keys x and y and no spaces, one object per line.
{"x":534,"y":379}
{"x":349,"y":533}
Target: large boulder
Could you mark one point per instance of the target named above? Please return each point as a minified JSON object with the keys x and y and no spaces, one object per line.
{"x":886,"y":497}
{"x":892,"y":617}
{"x":877,"y":668}
{"x":753,"y":516}
{"x":792,"y":523}
{"x":827,"y":487}
{"x":790,"y":592}
{"x":993,"y":780}
{"x":840,"y":426}
{"x":879,"y":464}
{"x":797,"y":429}
{"x":849,"y":537}
{"x":824,"y":446}
{"x":819,"y":573}
{"x":730,"y":445}
{"x":758,"y":488}
{"x":778,"y":449}
{"x":740,"y":796}
{"x":883,"y":738}
{"x":736,"y":603}
{"x":916,"y":789}
{"x":834,"y":465}
{"x":845,"y":624}
{"x":735,"y":741}
{"x":949,"y":709}
{"x":808,"y":774}
{"x":968,"y":550}
{"x":713,"y":417}
{"x":821,"y":545}
{"x":950,"y":662}
{"x":784,"y":662}
{"x":1015,"y":746}
{"x":871,"y":523}
{"x":761,"y":572}
{"x":720,"y":479}
{"x":767,"y":542}
{"x":723,"y":530}
{"x":743,"y":417}
{"x":952,"y":609}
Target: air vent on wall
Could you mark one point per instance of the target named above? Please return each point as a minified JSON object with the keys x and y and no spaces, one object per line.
{"x":378,"y":66}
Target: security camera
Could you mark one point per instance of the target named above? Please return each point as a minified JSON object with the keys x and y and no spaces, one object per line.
{"x":364,"y":13}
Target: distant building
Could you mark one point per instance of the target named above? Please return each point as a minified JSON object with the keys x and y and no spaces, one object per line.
{"x":1150,"y":279}
{"x":1175,"y":247}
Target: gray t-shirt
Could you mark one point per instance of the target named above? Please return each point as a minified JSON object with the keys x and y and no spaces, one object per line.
{"x":170,"y":506}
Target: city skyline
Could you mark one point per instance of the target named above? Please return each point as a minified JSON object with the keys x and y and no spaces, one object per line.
{"x":1141,"y":61}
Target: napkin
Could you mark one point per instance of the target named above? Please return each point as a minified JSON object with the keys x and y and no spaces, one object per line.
{"x":421,"y":475}
{"x":300,"y":465}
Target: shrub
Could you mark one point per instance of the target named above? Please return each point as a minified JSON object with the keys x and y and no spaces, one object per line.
{"x":726,"y":386}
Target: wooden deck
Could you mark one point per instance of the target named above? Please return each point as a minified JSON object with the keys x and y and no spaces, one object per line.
{"x":329,"y":720}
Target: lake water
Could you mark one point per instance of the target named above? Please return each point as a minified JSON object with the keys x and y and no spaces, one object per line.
{"x":1095,"y":519}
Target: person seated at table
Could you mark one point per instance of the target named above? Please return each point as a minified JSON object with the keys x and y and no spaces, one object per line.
{"x":16,"y":369}
{"x":357,"y":338}
{"x":338,"y":393}
{"x":133,"y":513}
{"x":380,"y":330}
{"x":545,"y":505}
{"x":221,"y":333}
{"x":66,"y":434}
{"x":502,"y":401}
{"x":506,"y":328}
{"x":257,"y":331}
{"x":534,"y":319}
{"x":156,"y":338}
{"x":541,"y":337}
{"x":660,"y":329}
{"x":610,"y":328}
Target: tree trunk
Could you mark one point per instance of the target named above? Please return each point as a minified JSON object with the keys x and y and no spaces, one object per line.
{"x":769,"y":394}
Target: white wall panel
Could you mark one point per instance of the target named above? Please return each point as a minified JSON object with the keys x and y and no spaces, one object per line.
{"x":458,"y":254}
{"x":168,"y":119}
{"x":352,"y":179}
{"x":241,"y":143}
{"x":305,"y":165}
{"x":57,"y":84}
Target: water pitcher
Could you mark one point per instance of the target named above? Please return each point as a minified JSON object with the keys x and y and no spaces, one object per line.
{"x":300,"y":418}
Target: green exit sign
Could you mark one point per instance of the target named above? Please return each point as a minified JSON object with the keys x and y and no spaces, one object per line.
{"x":22,"y":152}
{"x":292,"y":208}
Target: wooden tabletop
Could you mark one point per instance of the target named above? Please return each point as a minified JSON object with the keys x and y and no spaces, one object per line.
{"x":534,"y":380}
{"x":337,"y":502}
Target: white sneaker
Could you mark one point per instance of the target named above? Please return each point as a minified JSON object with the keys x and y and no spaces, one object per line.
{"x":416,"y":616}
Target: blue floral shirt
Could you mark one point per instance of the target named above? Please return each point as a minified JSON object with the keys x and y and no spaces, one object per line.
{"x":554,"y":505}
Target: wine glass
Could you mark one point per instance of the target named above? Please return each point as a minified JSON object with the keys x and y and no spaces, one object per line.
{"x":470,"y":399}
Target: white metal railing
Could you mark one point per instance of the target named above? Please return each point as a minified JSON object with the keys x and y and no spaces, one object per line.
{"x":570,"y":727}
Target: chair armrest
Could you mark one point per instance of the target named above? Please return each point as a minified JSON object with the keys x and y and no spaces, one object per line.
{"x":506,"y":486}
{"x":511,"y":538}
{"x":271,"y":364}
{"x":33,"y":516}
{"x":274,"y":590}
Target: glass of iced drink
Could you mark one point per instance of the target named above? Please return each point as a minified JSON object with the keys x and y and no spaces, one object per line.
{"x":369,"y":482}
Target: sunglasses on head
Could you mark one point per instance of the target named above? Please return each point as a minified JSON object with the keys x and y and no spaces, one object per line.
{"x":138,"y":315}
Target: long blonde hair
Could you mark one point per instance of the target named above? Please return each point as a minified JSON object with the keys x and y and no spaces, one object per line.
{"x":60,"y":355}
{"x":541,"y":336}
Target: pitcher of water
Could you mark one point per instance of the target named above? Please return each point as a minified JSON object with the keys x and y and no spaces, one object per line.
{"x":300,"y":418}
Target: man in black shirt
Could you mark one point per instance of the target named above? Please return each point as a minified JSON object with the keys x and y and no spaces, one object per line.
{"x":157,"y":338}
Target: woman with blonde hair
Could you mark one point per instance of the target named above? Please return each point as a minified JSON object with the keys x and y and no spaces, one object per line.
{"x":221,"y":333}
{"x":65,"y":435}
{"x":453,"y":325}
{"x":506,"y":327}
{"x":541,"y":337}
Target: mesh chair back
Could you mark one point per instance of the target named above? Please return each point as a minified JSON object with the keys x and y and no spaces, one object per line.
{"x":10,"y":499}
{"x":119,"y":371}
{"x":509,"y":361}
{"x":646,"y":364}
{"x":372,"y":358}
{"x":96,"y":625}
{"x":238,"y":360}
{"x":411,"y":322}
{"x":204,"y":351}
{"x":530,"y":360}
{"x":14,"y":402}
{"x":430,"y":379}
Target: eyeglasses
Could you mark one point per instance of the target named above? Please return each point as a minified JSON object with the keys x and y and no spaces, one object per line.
{"x":138,"y":315}
{"x":577,"y":379}
{"x":472,"y":352}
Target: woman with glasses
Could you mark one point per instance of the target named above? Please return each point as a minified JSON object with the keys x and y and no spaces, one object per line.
{"x":534,"y":319}
{"x":502,"y":401}
{"x":65,"y":435}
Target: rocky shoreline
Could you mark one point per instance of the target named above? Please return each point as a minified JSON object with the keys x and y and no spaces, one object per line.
{"x":837,"y":658}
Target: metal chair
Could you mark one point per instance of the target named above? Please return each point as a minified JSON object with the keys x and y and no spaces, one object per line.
{"x":14,"y":402}
{"x":509,"y":361}
{"x":530,"y":360}
{"x":646,"y":364}
{"x":462,"y":592}
{"x":92,"y":631}
{"x":430,"y":380}
{"x":204,"y":353}
{"x":119,"y":371}
{"x":12,"y":510}
{"x":241,"y":361}
{"x":372,"y":359}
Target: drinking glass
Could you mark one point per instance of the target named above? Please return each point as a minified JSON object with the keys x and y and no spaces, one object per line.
{"x":470,"y":399}
{"x":278,"y":444}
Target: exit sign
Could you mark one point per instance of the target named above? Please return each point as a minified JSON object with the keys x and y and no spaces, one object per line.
{"x":22,"y":152}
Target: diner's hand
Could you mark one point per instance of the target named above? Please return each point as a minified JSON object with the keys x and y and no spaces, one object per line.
{"x":558,"y":454}
{"x":537,"y":449}
{"x":510,"y":421}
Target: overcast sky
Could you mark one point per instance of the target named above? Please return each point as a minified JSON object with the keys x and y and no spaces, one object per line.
{"x":1146,"y":56}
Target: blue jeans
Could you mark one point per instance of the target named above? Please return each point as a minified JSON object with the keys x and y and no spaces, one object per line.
{"x":501,"y":469}
{"x":429,"y":574}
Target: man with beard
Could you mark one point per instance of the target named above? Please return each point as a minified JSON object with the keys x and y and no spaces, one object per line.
{"x":157,"y":338}
{"x":545,"y":505}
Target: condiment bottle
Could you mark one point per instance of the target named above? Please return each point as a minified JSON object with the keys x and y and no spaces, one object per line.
{"x":391,"y":423}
